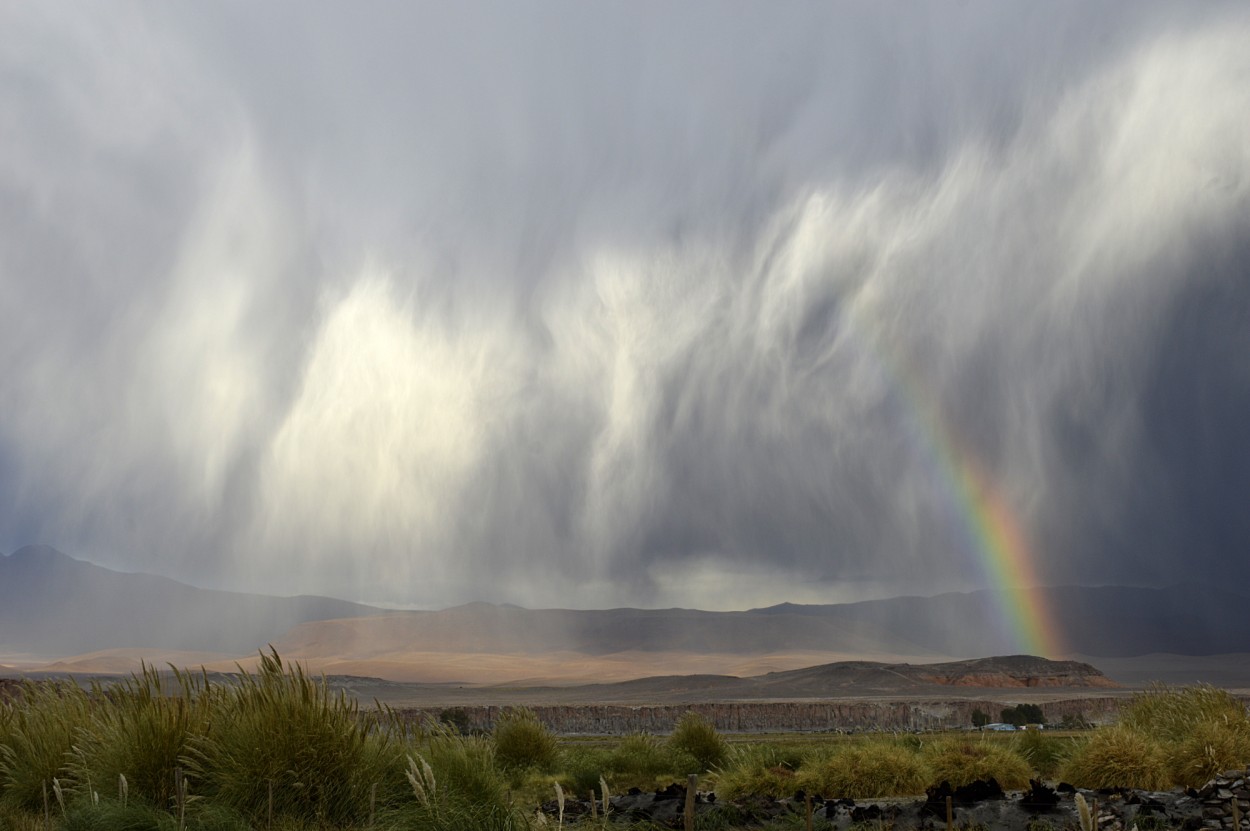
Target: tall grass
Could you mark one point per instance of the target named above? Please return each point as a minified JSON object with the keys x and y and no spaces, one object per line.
{"x":142,"y":734}
{"x":37,"y":734}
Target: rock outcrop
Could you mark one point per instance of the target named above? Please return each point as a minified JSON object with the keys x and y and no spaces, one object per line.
{"x":845,"y":715}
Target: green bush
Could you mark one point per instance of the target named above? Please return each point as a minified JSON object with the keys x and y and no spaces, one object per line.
{"x":1023,"y":714}
{"x":697,"y":738}
{"x":521,"y":741}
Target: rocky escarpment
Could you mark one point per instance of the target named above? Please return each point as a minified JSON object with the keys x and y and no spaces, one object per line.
{"x":761,"y":717}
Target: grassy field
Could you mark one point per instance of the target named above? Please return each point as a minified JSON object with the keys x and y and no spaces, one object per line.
{"x":277,"y":750}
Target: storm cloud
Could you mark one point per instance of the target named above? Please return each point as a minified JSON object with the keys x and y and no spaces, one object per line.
{"x":603,"y":305}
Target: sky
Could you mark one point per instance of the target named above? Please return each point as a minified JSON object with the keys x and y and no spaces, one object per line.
{"x":589,"y":305}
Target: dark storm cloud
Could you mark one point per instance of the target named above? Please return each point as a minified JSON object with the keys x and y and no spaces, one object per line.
{"x":586,"y":306}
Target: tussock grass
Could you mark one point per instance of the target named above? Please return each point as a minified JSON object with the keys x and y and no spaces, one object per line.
{"x":1118,"y":757}
{"x":281,"y":739}
{"x":465,"y":769}
{"x":1171,"y":714}
{"x":1210,"y":748}
{"x":764,"y":769}
{"x":962,"y":761}
{"x":695,"y":737}
{"x":143,"y":734}
{"x":867,"y":770}
{"x":1204,"y":729}
{"x":1044,"y":752}
{"x":521,"y":741}
{"x":1166,"y":736}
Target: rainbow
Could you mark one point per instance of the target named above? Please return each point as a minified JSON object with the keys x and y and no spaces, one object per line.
{"x":1004,"y":554}
{"x":996,"y":536}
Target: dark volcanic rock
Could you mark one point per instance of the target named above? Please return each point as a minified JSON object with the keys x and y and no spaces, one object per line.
{"x":1039,"y":797}
{"x":982,"y":805}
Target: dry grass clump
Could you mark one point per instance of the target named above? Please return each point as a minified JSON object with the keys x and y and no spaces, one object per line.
{"x":962,"y":761}
{"x":1118,"y":757}
{"x":865,"y":771}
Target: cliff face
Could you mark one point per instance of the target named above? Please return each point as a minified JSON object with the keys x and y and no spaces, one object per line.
{"x":1016,"y":671}
{"x":760,"y":717}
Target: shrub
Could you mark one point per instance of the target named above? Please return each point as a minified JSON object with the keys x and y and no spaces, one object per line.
{"x":521,"y":741}
{"x":961,"y":761}
{"x":696,"y":737}
{"x":1117,"y":757}
{"x":865,"y":771}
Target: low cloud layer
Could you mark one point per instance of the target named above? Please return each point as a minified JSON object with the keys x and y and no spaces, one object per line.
{"x":577,"y":306}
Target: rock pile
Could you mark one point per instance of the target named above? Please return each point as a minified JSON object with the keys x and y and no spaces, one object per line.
{"x":1226,"y":800}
